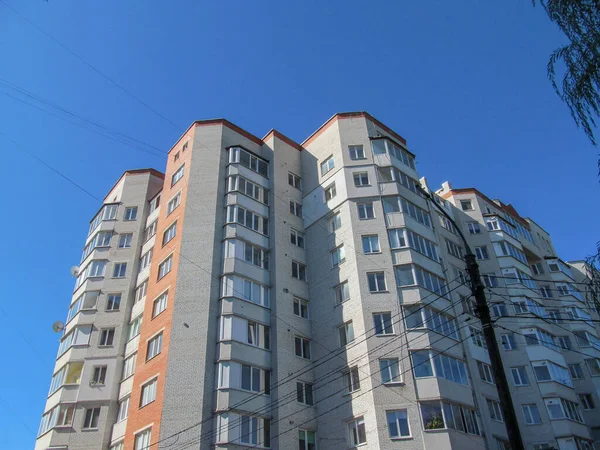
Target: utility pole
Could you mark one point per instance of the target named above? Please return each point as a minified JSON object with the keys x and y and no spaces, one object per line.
{"x":483,"y":311}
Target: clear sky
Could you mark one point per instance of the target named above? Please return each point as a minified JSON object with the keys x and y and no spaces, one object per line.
{"x":464,"y":82}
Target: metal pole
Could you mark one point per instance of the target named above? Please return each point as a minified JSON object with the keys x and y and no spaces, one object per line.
{"x":483,"y":311}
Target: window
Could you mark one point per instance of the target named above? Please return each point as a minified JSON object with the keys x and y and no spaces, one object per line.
{"x":148,"y":394}
{"x":390,"y":371}
{"x":130,"y":213}
{"x":454,"y":249}
{"x":302,"y":347}
{"x":169,"y":233}
{"x":154,"y":204}
{"x":335,"y":222}
{"x":108,"y":212}
{"x":564,"y":342}
{"x":443,"y":366}
{"x":560,"y":408}
{"x":119,"y":270}
{"x":365,"y":211}
{"x":546,"y":291}
{"x":304,"y":393}
{"x":535,"y":336}
{"x":346,"y":333}
{"x":248,"y":219}
{"x":513,"y":275}
{"x":587,"y":401}
{"x":481,"y":252}
{"x":593,"y":365}
{"x":159,"y":304}
{"x":59,"y":416}
{"x":307,"y":440}
{"x":399,"y":204}
{"x":123,"y":409}
{"x":327,"y":165}
{"x":398,"y":423}
{"x":403,"y":238}
{"x":70,"y":373}
{"x":474,"y":227}
{"x":585,"y":339}
{"x":113,"y":302}
{"x":253,"y":379}
{"x":129,"y":366}
{"x":576,"y":371}
{"x":298,"y":271}
{"x":495,"y":410}
{"x":499,"y":310}
{"x":249,"y":188}
{"x":80,"y":335}
{"x":352,"y":379}
{"x":102,"y":239}
{"x":477,"y":337}
{"x":520,"y":376}
{"x":176,"y":157}
{"x":383,"y":324}
{"x":92,"y":416}
{"x":490,"y":280}
{"x":165,"y":267}
{"x":125,"y":240}
{"x":246,"y":251}
{"x":485,"y":372}
{"x":140,"y":292}
{"x":255,"y":431}
{"x":99,"y":375}
{"x":154,"y":346}
{"x":173,"y":203}
{"x":466,"y":205}
{"x":330,"y":192}
{"x":255,"y":337}
{"x":150,"y":231}
{"x":371,"y":244}
{"x":145,"y":260}
{"x":134,"y":327}
{"x":249,"y":160}
{"x":142,"y":440}
{"x":411,"y":274}
{"x":178,"y":175}
{"x":338,"y":256}
{"x":297,"y":238}
{"x":356,"y":152}
{"x":295,"y":208}
{"x":436,"y":415}
{"x":301,"y":308}
{"x":294,"y":180}
{"x":418,"y":316}
{"x":502,"y":444}
{"x":107,"y":335}
{"x":537,"y":268}
{"x":357,"y":432}
{"x":531,"y":413}
{"x":376,"y":282}
{"x":342,"y":292}
{"x":361,"y":179}
{"x":379,"y":148}
{"x":246,"y":290}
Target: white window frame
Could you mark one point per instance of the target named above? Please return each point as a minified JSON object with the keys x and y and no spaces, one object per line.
{"x":327,"y":165}
{"x":356,"y":152}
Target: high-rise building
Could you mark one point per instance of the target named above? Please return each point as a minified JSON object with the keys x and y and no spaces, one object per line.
{"x":266,"y":294}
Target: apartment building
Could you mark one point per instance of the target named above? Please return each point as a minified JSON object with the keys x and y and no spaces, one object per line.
{"x":268,"y":294}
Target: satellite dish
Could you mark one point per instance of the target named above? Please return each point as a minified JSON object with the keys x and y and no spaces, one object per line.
{"x":75,"y":271}
{"x":58,"y":326}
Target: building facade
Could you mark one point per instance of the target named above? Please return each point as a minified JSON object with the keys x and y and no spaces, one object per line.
{"x":266,"y":294}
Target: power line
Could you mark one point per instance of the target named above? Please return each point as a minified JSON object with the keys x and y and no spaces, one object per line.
{"x":53,"y":169}
{"x":335,"y":371}
{"x":91,"y":66}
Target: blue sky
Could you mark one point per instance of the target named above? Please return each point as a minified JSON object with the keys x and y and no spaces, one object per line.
{"x":464,"y":82}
